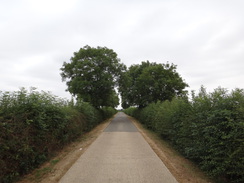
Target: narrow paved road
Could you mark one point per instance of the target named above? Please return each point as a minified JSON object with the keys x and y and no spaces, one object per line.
{"x":119,"y":154}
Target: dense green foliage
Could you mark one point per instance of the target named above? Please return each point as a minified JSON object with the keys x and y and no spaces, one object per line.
{"x":149,"y":82}
{"x":92,"y":75}
{"x":208,"y":129}
{"x":34,"y":125}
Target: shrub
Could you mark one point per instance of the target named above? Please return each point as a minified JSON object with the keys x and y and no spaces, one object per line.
{"x":91,"y":114}
{"x":132,"y":111}
{"x":108,"y":112}
{"x":34,"y":125}
{"x":219,"y":127}
{"x":209,"y":129}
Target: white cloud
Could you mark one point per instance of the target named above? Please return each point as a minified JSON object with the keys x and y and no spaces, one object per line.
{"x":204,"y":38}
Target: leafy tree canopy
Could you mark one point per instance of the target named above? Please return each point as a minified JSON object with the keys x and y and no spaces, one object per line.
{"x":92,"y":75}
{"x":149,"y":82}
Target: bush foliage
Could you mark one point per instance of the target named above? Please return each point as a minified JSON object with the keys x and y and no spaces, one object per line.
{"x":208,"y":129}
{"x":33,"y":125}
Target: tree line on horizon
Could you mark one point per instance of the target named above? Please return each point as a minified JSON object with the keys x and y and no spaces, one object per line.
{"x":94,"y":74}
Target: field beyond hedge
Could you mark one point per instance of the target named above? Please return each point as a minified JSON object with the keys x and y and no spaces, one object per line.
{"x":34,"y":125}
{"x":208,"y":129}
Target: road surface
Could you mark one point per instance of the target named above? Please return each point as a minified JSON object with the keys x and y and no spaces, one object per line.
{"x":119,"y":155}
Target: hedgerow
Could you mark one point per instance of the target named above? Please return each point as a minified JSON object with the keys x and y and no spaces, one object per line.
{"x":208,"y":129}
{"x":34,"y":125}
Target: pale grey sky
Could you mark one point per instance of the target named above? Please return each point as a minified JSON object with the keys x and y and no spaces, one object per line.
{"x":204,"y":38}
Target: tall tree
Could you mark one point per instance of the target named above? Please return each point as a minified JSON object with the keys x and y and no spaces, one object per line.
{"x":150,"y":82}
{"x":92,"y":75}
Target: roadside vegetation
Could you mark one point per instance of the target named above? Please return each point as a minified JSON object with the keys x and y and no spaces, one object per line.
{"x":35,"y":125}
{"x":208,"y":129}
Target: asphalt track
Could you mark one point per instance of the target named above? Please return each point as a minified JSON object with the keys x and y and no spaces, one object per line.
{"x":119,"y":155}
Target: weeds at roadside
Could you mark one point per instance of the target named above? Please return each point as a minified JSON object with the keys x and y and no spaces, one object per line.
{"x":42,"y":172}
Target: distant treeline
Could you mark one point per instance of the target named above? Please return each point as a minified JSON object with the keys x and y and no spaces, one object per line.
{"x":208,"y":129}
{"x":34,"y":125}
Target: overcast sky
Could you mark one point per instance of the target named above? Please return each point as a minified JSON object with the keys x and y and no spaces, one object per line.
{"x":204,"y":38}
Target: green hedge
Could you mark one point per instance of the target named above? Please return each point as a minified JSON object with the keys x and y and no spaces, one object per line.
{"x":34,"y":125}
{"x":208,"y":129}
